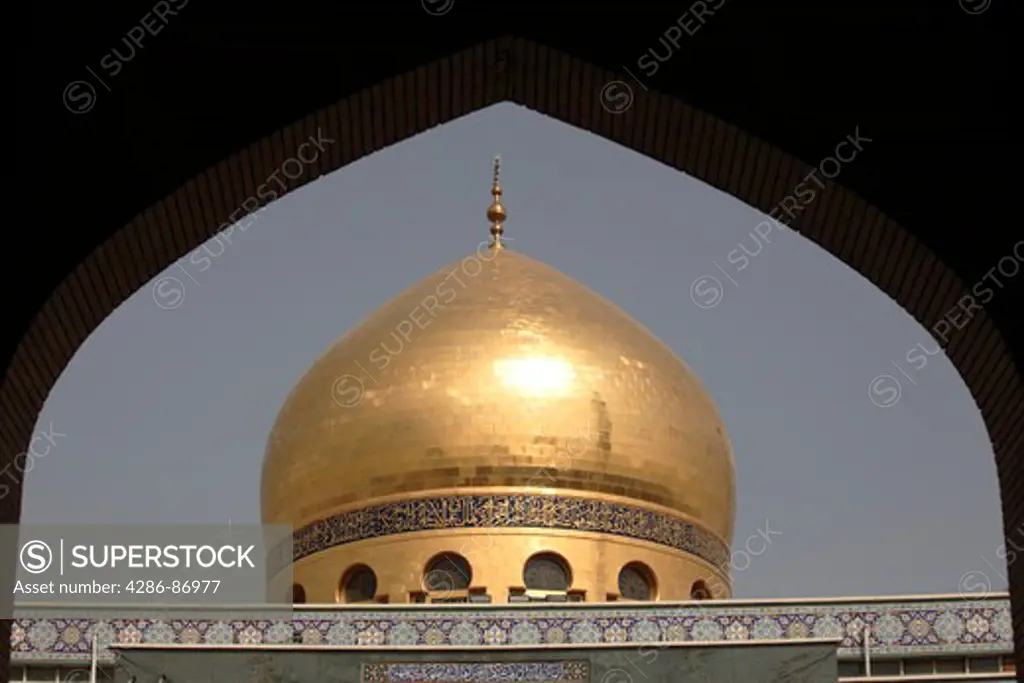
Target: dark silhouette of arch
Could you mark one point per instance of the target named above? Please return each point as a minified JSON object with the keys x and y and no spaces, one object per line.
{"x":881,"y":230}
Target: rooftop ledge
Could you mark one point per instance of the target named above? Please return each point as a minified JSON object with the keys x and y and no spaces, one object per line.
{"x":659,"y":645}
{"x":990,"y":599}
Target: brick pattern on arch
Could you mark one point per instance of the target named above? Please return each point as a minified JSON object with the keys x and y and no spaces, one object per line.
{"x":557,"y":85}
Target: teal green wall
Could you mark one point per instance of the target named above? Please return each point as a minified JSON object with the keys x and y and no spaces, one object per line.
{"x":811,"y":663}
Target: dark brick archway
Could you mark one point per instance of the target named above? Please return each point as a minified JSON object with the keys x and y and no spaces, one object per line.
{"x":659,"y":126}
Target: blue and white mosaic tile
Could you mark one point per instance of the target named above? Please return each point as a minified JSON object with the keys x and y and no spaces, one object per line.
{"x":951,"y":626}
{"x":536,"y":672}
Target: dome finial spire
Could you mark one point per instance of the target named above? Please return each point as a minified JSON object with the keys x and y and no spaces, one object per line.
{"x":496,"y":212}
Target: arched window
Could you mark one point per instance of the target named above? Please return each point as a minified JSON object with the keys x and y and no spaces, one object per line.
{"x":298,"y":594}
{"x":358,"y":584}
{"x":636,"y":582}
{"x":547,"y":572}
{"x":700,"y":591}
{"x":447,"y":572}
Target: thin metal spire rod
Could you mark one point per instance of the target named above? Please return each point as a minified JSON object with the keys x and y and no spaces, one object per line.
{"x":496,"y":212}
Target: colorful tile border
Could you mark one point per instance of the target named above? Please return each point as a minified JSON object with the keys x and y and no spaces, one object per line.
{"x":509,"y":511}
{"x":450,"y":672}
{"x":909,"y":628}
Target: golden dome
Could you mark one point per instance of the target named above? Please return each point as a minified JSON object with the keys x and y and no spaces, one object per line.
{"x":500,"y":376}
{"x":486,"y":378}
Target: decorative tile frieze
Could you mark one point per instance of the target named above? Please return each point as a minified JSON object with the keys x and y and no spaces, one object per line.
{"x":449,"y":672}
{"x":509,"y":511}
{"x":951,"y":626}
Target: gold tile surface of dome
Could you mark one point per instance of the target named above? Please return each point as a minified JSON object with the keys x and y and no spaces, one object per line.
{"x":499,"y":373}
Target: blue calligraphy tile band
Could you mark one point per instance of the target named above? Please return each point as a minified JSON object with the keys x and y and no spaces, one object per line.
{"x":510,"y":512}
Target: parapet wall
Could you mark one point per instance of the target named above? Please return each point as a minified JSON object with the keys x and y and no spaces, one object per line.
{"x":904,"y":626}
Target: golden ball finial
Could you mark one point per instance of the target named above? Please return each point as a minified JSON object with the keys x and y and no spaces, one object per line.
{"x":496,"y":211}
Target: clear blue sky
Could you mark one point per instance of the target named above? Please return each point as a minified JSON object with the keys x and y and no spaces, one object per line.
{"x":167,"y":412}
